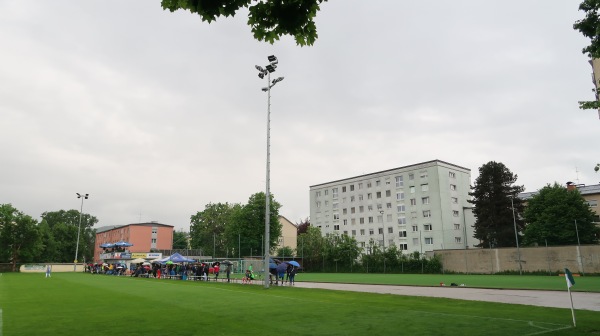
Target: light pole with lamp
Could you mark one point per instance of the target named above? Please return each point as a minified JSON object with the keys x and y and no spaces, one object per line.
{"x":261,"y":73}
{"x":82,"y":196}
{"x":516,"y":235}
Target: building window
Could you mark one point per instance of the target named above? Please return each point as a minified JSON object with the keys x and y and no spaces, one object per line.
{"x":424,"y":187}
{"x":388,"y":193}
{"x":380,"y":230}
{"x":380,"y":219}
{"x":344,"y":189}
{"x":362,"y":220}
{"x":415,"y":228}
{"x":336,"y":227}
{"x":352,"y":187}
{"x":412,"y":190}
{"x":351,"y":199}
{"x":360,"y":185}
{"x":361,"y":208}
{"x":425,"y":200}
{"x":399,"y":181}
{"x":153,"y":240}
{"x":335,"y":205}
{"x":370,"y":207}
{"x":344,"y":211}
{"x":326,"y":192}
{"x":399,"y":196}
{"x":402,"y":234}
{"x":317,"y":194}
{"x":451,"y":174}
{"x":388,"y":205}
{"x":454,"y":200}
{"x":360,"y":197}
{"x":427,"y":213}
{"x":401,"y":220}
{"x":457,"y":240}
{"x":343,"y":199}
{"x":401,"y":208}
{"x":455,"y":213}
{"x":369,"y":196}
{"x":346,"y":233}
{"x":453,"y":187}
{"x":362,"y":232}
{"x":345,"y":221}
{"x":403,"y":247}
{"x":353,"y":233}
{"x":368,"y":184}
{"x":411,"y":176}
{"x":334,"y":191}
{"x":352,"y":210}
{"x":353,"y":221}
{"x":390,"y":229}
{"x":379,"y":194}
{"x":423,"y":174}
{"x":413,"y":201}
{"x":456,"y":226}
{"x":318,"y":204}
{"x":336,"y":216}
{"x":377,"y":183}
{"x":371,"y":219}
{"x":428,"y":241}
{"x":427,"y":227}
{"x":389,"y":218}
{"x":371,"y":232}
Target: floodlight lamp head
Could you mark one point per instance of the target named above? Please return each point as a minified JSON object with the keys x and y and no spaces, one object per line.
{"x":86,"y":196}
{"x":271,"y":67}
{"x":78,"y":195}
{"x":261,"y":75}
{"x":265,"y":89}
{"x":272,"y":59}
{"x":259,"y":68}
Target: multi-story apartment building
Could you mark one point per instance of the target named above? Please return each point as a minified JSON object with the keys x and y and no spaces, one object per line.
{"x":421,"y":207}
{"x":145,"y":237}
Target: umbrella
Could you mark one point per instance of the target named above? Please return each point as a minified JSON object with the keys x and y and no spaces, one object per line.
{"x":169,"y":262}
{"x":227,"y":262}
{"x":146,"y":263}
{"x":272,"y":265}
{"x":138,"y":260}
{"x":123,"y":243}
{"x":281,"y":268}
{"x":293,"y":263}
{"x":107,"y":245}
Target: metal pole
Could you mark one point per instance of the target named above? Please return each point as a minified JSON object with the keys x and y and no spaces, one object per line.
{"x":268,"y":191}
{"x":78,"y":231}
{"x":516,"y":236}
{"x":579,"y":248}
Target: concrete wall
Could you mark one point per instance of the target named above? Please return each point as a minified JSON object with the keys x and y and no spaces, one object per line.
{"x":41,"y":268}
{"x":584,"y":259}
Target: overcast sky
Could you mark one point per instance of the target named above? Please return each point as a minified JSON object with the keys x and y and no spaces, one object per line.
{"x":156,"y":114}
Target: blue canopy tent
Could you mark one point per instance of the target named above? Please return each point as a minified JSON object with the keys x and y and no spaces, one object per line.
{"x":122,"y":243}
{"x":107,"y":245}
{"x":177,"y":258}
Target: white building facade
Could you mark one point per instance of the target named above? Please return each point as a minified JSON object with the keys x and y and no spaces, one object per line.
{"x":421,"y":207}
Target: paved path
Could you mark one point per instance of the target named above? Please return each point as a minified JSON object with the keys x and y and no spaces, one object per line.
{"x":587,"y":301}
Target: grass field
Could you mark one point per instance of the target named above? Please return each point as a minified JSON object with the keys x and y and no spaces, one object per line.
{"x":583,"y":284}
{"x":84,"y":304}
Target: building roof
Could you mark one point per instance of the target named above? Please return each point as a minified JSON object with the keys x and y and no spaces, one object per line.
{"x":112,"y":227}
{"x":389,"y":170}
{"x":582,"y":188}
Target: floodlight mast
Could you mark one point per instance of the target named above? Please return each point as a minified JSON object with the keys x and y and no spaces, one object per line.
{"x":82,"y":196}
{"x":261,"y":73}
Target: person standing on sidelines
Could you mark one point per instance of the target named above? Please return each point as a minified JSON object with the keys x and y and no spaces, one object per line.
{"x":48,"y":271}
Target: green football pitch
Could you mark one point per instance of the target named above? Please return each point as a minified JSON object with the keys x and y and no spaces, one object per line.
{"x":85,"y":304}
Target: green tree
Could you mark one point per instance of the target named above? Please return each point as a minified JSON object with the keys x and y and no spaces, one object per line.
{"x":268,"y":19}
{"x":180,"y":240}
{"x":493,"y":195}
{"x":589,"y":26}
{"x":310,"y":248}
{"x":303,"y":226}
{"x":340,"y":250}
{"x":64,"y":225}
{"x":20,"y":239}
{"x":551,"y":216}
{"x":208,"y":227}
{"x":285,"y":251}
{"x":248,"y":225}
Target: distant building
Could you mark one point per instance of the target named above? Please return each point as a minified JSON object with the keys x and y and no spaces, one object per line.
{"x":590,"y":193}
{"x":145,"y":237}
{"x":421,"y":207}
{"x":289,"y":234}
